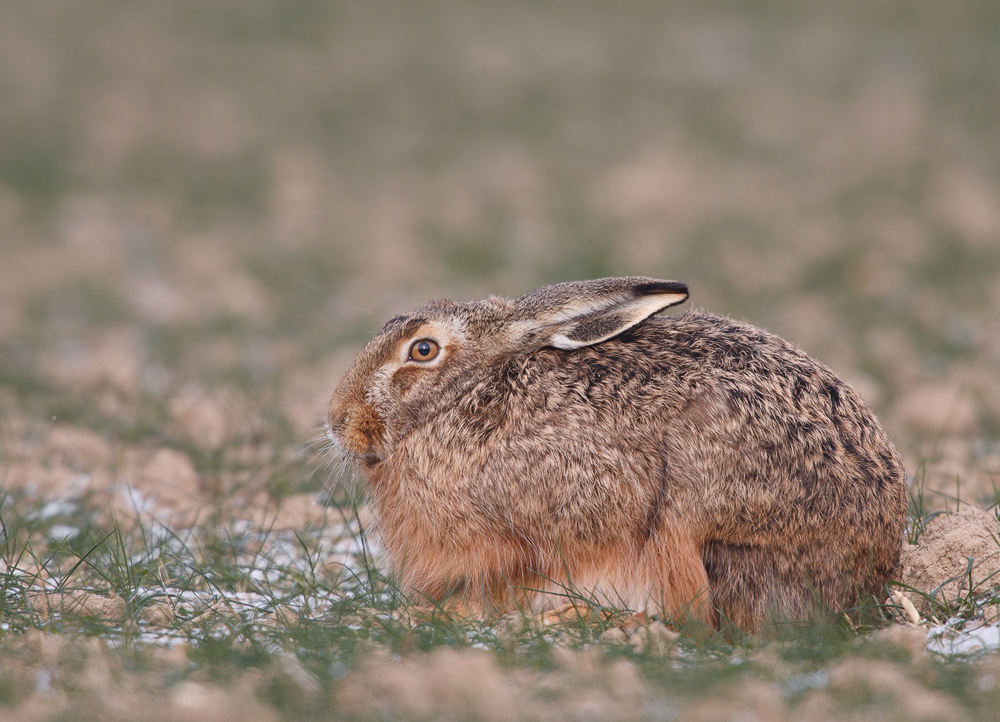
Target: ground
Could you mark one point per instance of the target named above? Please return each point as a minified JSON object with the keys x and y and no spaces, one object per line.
{"x":206,"y":208}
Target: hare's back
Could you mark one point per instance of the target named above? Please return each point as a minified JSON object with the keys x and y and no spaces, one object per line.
{"x":749,"y":375}
{"x":771,"y":438}
{"x":699,"y":345}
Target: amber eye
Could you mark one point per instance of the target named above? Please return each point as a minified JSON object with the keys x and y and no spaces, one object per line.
{"x":424,"y":350}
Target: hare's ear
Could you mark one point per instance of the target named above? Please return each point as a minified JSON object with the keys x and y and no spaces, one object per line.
{"x":582,"y":313}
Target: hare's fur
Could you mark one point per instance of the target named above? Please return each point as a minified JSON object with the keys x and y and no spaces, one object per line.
{"x":688,"y":463}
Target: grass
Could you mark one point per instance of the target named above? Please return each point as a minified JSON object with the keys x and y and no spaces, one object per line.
{"x":223,"y":603}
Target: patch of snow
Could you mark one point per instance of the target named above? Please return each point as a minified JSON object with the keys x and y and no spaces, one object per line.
{"x":61,"y":532}
{"x":953,"y":641}
{"x":43,"y":682}
{"x":803,"y":682}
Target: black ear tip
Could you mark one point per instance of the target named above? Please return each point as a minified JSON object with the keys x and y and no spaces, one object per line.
{"x":656,"y":288}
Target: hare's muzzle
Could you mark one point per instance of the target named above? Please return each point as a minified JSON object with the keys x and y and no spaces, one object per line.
{"x":357,"y":431}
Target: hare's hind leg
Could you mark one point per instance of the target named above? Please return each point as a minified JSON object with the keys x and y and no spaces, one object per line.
{"x":752,"y":586}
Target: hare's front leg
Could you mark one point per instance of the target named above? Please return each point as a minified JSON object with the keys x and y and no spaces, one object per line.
{"x":675,"y":575}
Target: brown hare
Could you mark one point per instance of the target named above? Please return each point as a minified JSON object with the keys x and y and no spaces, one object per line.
{"x":569,"y":439}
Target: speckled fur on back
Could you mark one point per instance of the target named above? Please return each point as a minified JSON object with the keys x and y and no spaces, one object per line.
{"x":685,"y":464}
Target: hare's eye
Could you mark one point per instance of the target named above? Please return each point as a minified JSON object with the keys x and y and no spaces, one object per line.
{"x":424,"y":350}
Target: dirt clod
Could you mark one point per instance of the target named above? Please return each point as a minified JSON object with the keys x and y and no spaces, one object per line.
{"x":655,"y":637}
{"x":615,"y":635}
{"x":957,"y":554}
{"x":447,"y":684}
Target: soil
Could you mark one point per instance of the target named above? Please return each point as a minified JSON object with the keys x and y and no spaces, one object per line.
{"x":956,"y":557}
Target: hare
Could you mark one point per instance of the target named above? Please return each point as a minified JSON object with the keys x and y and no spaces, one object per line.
{"x":569,"y":439}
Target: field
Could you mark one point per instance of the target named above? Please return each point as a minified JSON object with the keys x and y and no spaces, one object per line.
{"x":207,"y":208}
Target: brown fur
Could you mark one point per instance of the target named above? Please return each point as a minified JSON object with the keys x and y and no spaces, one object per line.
{"x":686,"y":463}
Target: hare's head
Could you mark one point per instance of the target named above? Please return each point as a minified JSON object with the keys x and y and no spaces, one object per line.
{"x":431,"y":356}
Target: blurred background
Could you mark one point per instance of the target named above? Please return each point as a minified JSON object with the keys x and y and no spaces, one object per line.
{"x":207,"y":207}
